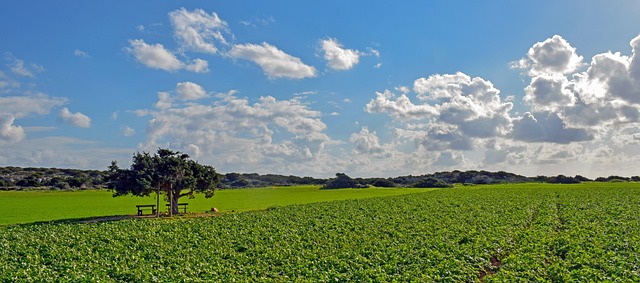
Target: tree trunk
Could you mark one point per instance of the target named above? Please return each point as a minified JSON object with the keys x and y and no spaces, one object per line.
{"x":158,"y":202}
{"x":170,"y":193}
{"x":174,"y":203}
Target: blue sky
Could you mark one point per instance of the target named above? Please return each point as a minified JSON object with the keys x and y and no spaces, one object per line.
{"x":369,"y":88}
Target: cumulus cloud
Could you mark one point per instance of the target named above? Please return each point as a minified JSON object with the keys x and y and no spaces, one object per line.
{"x":607,"y":93}
{"x":274,"y":62}
{"x":339,"y":58}
{"x":549,"y":93}
{"x":190,"y":91}
{"x":77,"y":119}
{"x":471,"y":106}
{"x":551,"y":56}
{"x":233,"y":131}
{"x":366,"y":142}
{"x":155,"y":56}
{"x":546,"y":127}
{"x":198,"y":66}
{"x":164,"y":100}
{"x":10,"y":133}
{"x":449,"y":159}
{"x":400,"y":107}
{"x":198,"y":31}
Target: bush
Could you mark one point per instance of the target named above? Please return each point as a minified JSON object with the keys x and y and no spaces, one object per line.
{"x":431,"y":182}
{"x":383,"y":183}
{"x":562,"y":179}
{"x":341,"y":181}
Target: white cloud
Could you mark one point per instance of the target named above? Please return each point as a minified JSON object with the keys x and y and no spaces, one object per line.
{"x":62,"y":152}
{"x":450,"y":159}
{"x":190,"y":91}
{"x":469,"y":105}
{"x":607,"y":93}
{"x":77,"y":119}
{"x":155,"y":56}
{"x":128,"y":131}
{"x":258,"y":21}
{"x":234,"y":132}
{"x":198,"y":66}
{"x":164,"y":100}
{"x":10,"y":133}
{"x":20,"y":68}
{"x":339,"y":58}
{"x":81,"y":54}
{"x":366,"y":142}
{"x":197,"y":30}
{"x":552,"y":56}
{"x":399,"y":108}
{"x":373,"y":52}
{"x":23,"y":106}
{"x":274,"y":62}
{"x":549,"y":93}
{"x":546,"y":127}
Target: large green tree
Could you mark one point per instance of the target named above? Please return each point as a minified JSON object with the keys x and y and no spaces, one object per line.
{"x":166,"y":172}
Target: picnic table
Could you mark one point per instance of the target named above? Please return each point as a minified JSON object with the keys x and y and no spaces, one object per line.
{"x":142,"y":207}
{"x":180,"y":205}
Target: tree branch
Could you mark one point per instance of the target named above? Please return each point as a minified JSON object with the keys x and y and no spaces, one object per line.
{"x":185,"y":194}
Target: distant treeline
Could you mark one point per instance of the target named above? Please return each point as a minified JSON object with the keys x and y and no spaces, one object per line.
{"x":17,"y":178}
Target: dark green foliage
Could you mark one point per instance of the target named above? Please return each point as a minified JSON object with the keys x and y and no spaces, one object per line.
{"x":383,"y":183}
{"x":246,"y":180}
{"x":612,"y":179}
{"x":50,"y":178}
{"x":58,"y":183}
{"x":30,"y":181}
{"x":430,"y":182}
{"x":341,"y":181}
{"x":562,"y":179}
{"x":582,"y":178}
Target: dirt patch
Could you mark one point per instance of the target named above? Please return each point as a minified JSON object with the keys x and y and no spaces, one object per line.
{"x":491,"y":269}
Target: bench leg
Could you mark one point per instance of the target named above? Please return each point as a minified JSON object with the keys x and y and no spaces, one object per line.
{"x":139,"y":212}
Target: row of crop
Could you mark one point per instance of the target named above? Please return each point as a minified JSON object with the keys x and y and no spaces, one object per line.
{"x":577,"y":235}
{"x":499,"y":234}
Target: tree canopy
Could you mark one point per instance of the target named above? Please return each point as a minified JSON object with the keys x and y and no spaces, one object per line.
{"x":169,"y":172}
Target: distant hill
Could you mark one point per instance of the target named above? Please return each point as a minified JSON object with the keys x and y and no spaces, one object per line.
{"x":18,"y":178}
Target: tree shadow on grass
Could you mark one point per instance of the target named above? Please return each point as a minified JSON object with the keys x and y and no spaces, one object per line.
{"x":82,"y":220}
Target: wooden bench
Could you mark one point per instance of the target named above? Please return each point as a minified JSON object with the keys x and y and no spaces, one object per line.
{"x":183,"y":205}
{"x":142,"y":207}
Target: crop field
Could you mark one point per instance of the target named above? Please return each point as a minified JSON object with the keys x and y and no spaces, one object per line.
{"x":36,"y":206}
{"x":506,"y":233}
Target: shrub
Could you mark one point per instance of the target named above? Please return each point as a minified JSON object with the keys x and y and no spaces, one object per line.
{"x":431,"y":182}
{"x":562,"y":179}
{"x":383,"y":183}
{"x":340,"y":181}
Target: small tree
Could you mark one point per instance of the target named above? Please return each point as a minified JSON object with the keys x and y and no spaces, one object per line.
{"x":169,"y":172}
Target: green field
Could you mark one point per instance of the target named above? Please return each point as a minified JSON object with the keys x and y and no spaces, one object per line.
{"x":506,"y":233}
{"x":31,"y":206}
